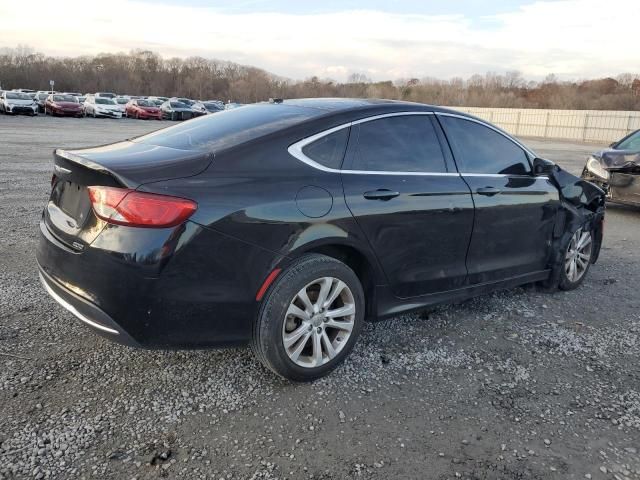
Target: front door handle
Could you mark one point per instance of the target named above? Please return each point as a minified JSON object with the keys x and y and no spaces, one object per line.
{"x":488,"y":191}
{"x":380,"y":194}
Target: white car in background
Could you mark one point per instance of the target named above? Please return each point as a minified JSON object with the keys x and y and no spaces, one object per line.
{"x":101,"y":107}
{"x":18,"y":102}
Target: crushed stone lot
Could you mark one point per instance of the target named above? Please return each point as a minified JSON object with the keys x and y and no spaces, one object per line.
{"x":519,"y":384}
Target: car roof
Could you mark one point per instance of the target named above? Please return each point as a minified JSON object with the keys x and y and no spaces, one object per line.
{"x":349,"y":104}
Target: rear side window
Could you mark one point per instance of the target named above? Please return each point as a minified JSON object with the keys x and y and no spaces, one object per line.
{"x":399,"y":144}
{"x":229,"y":128}
{"x":479,"y":149}
{"x":328,"y":150}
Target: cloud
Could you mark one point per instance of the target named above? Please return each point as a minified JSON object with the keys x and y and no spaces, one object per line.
{"x":572,"y":38}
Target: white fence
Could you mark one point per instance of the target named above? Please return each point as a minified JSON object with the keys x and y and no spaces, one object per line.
{"x":585,"y":125}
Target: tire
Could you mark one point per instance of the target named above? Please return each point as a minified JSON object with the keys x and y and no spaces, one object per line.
{"x":560,"y":277}
{"x":335,"y":336}
{"x":578,"y":252}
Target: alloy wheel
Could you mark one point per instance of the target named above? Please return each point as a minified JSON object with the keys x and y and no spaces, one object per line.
{"x":578,"y":255}
{"x":319,"y":322}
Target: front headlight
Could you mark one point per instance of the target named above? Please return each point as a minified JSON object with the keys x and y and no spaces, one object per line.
{"x":595,"y":167}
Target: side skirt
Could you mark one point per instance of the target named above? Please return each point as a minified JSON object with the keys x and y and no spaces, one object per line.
{"x":389,"y":305}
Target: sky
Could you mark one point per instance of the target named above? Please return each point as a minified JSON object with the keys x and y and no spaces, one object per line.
{"x":384,"y":40}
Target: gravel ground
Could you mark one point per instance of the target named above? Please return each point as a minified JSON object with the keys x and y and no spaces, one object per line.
{"x":516,"y":385}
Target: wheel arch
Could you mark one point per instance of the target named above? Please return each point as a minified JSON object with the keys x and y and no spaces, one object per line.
{"x":362,"y":262}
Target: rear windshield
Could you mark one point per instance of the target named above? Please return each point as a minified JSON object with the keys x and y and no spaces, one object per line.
{"x":228,"y":128}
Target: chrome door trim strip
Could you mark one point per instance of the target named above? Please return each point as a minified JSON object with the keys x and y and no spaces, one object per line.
{"x":296,"y":148}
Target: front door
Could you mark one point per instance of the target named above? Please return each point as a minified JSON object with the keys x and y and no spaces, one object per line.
{"x":514,"y":210}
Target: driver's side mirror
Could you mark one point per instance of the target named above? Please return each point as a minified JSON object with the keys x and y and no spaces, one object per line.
{"x":542,"y":166}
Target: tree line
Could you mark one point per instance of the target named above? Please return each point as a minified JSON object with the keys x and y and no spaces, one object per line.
{"x":142,"y":72}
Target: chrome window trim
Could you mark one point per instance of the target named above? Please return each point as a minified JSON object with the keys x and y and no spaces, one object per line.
{"x":296,"y":148}
{"x":73,"y":309}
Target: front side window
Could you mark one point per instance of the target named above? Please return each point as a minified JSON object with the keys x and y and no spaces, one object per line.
{"x":405,"y":143}
{"x":328,"y":150}
{"x":479,"y":149}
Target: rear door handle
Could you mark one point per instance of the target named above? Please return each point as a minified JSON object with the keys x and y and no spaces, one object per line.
{"x":380,"y":194}
{"x":488,"y":191}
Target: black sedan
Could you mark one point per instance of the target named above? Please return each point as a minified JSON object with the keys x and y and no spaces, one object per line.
{"x":617,"y":170}
{"x":287,"y":225}
{"x":176,"y":110}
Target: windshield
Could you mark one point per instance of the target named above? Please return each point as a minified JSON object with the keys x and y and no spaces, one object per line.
{"x":104,"y":101}
{"x":632,"y":142}
{"x":178,"y":105}
{"x":212,"y":107}
{"x":122,"y":101}
{"x":65,"y":98}
{"x":145,"y":103}
{"x":18,"y":96}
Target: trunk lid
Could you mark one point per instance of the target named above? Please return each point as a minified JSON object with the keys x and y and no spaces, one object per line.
{"x":68,"y":213}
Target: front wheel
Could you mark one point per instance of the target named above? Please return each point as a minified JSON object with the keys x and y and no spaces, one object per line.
{"x":577,"y":259}
{"x":310,"y":319}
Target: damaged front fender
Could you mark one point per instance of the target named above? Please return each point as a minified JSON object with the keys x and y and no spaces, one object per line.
{"x":582,"y":204}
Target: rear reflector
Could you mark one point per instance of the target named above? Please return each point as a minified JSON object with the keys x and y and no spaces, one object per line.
{"x":267,"y":283}
{"x":123,"y":206}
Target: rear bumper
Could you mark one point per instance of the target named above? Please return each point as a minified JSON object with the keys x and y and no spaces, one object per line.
{"x":158,"y":288}
{"x":86,"y":312}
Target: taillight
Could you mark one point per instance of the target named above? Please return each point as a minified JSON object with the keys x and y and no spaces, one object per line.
{"x":124,"y":206}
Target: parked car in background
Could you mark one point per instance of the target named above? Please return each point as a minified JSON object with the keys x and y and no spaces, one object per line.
{"x":63,"y":105}
{"x":18,"y":102}
{"x":176,"y":110}
{"x":25,"y":90}
{"x":105,"y":95}
{"x":184,"y":100}
{"x":75,"y":94}
{"x":365,"y":210}
{"x":81,"y":99}
{"x":121,"y":102}
{"x":207,"y":107}
{"x":101,"y":107}
{"x":40,"y":98}
{"x":157,"y":100}
{"x":617,"y":170}
{"x":143,"y":109}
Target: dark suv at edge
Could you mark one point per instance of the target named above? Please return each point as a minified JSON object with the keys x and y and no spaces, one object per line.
{"x":286,"y":226}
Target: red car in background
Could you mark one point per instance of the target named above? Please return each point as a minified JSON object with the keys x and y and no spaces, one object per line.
{"x":143,"y":109}
{"x":63,"y":105}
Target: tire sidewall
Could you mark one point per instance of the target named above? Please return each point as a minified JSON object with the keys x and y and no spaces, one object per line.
{"x":273,"y":311}
{"x":564,"y":282}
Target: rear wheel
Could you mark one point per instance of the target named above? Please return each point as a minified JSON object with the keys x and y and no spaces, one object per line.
{"x":310,"y":319}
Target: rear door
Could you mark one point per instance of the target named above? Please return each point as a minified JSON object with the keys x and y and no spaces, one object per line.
{"x":413,"y":207}
{"x":515,"y":210}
